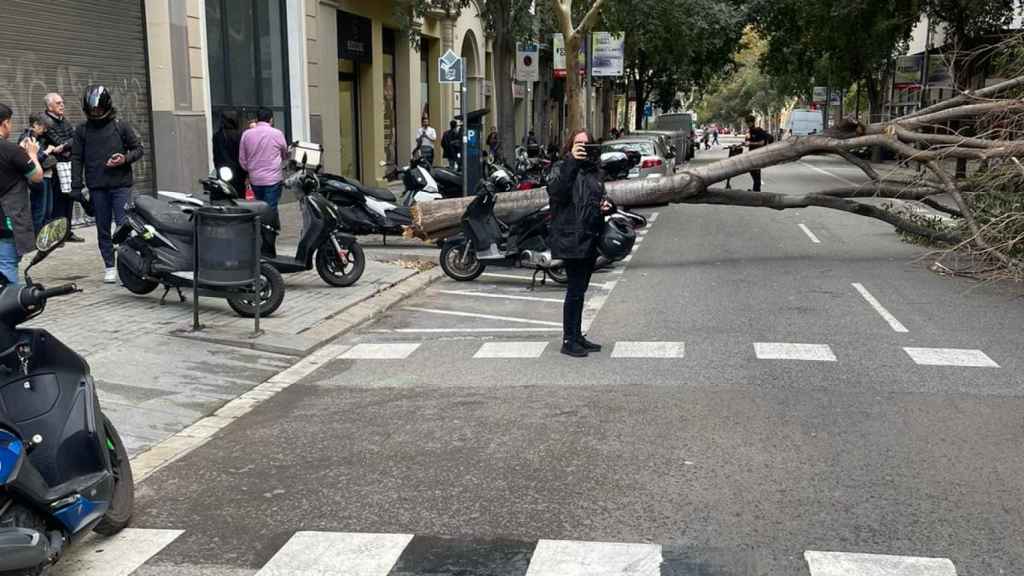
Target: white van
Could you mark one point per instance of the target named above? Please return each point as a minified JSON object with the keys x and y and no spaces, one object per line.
{"x":803,"y":122}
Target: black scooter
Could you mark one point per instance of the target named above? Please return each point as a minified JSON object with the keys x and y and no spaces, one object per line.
{"x":362,"y":209}
{"x":155,"y":246}
{"x":63,"y":468}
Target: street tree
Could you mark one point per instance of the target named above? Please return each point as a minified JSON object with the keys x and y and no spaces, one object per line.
{"x":574,"y":35}
{"x":673,"y":46}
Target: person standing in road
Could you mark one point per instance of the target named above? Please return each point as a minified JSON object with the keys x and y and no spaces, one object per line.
{"x":577,"y":198}
{"x":756,"y":138}
{"x":449,"y":151}
{"x":714,"y":135}
{"x":261,"y":153}
{"x":60,"y":135}
{"x":426,"y":138}
{"x":104,"y":149}
{"x":227,"y":143}
{"x":19,"y":166}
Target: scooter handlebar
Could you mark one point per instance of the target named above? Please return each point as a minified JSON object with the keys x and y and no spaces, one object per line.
{"x":62,"y":290}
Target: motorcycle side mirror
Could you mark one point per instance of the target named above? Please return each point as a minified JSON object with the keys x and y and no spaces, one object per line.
{"x":50,"y":237}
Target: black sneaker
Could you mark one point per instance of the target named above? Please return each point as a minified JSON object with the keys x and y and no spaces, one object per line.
{"x":72,"y":237}
{"x":588,"y":345}
{"x":574,"y":349}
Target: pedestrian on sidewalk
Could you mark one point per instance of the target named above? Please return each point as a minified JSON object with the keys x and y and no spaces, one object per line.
{"x":714,"y":136}
{"x":449,"y":145}
{"x":578,"y":200}
{"x":494,"y":143}
{"x":39,"y":193}
{"x":227,"y":143}
{"x":262,"y":152}
{"x":104,"y":149}
{"x":426,"y":138}
{"x":756,"y":138}
{"x":19,"y":166}
{"x":61,"y":136}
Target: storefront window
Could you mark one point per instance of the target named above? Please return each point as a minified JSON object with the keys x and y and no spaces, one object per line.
{"x":390,"y":100}
{"x":248,"y":58}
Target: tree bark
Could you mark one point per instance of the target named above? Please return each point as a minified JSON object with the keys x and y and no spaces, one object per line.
{"x":503,"y":57}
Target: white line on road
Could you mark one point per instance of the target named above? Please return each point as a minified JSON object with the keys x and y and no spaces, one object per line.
{"x":569,"y":558}
{"x":458,"y":330}
{"x":639,"y":240}
{"x":653,"y":217}
{"x":380,"y":351}
{"x":649,"y":350}
{"x":118,"y":555}
{"x":551,"y":283}
{"x":809,"y":233}
{"x":484,"y":316}
{"x":849,"y":564}
{"x":827,"y":173}
{"x":896,"y":324}
{"x":788,"y":351}
{"x":511,"y":350}
{"x":505,"y":296}
{"x":627,"y":258}
{"x":326,"y":553}
{"x":950,"y":357}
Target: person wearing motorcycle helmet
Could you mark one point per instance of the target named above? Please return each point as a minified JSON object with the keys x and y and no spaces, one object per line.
{"x":578,"y":202}
{"x":102,"y":153}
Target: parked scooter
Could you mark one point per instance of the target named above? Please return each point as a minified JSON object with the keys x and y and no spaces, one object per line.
{"x":155,"y":246}
{"x":64,"y":470}
{"x":364,"y":210}
{"x":487,"y":241}
{"x":337,"y":256}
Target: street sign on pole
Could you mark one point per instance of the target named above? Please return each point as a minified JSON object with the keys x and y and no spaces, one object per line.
{"x":450,"y":68}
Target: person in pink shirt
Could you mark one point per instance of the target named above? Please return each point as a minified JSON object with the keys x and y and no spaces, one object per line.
{"x":261,"y":154}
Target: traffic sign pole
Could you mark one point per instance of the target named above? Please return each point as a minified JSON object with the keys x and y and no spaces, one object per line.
{"x":465,"y":133}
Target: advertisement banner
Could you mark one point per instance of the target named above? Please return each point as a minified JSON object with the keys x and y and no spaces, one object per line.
{"x":608,"y":54}
{"x":558,"y":46}
{"x":528,"y":63}
{"x":908,"y":71}
{"x":820,"y":94}
{"x":938,"y":72}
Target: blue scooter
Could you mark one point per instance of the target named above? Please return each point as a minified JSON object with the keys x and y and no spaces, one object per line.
{"x":63,"y":468}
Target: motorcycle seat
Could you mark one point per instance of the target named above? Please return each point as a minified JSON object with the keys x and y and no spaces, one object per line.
{"x":163,"y":216}
{"x":380,"y":194}
{"x":447,"y":176}
{"x":262,"y":209}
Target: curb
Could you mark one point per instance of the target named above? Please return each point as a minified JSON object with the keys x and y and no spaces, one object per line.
{"x":198,"y":433}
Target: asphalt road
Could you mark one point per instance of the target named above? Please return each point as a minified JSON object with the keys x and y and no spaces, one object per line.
{"x":769,"y":391}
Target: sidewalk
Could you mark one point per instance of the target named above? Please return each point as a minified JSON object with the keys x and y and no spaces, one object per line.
{"x":154,"y":376}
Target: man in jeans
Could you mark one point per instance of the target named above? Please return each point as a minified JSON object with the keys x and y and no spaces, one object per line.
{"x":60,"y":134}
{"x":19,"y":166}
{"x":261,"y":154}
{"x":104,"y":148}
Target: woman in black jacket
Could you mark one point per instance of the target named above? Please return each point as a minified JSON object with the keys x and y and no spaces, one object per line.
{"x":226,"y":144}
{"x":577,"y":204}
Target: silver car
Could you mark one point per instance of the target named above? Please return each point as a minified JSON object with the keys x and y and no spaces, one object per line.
{"x":654,"y":161}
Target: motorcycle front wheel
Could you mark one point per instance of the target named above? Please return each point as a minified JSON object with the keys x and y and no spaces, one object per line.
{"x":338,"y":270}
{"x":459,"y":268}
{"x":122,"y":503}
{"x":271,"y":295}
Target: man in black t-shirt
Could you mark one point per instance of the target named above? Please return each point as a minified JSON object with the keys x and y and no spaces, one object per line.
{"x":19,"y":165}
{"x":757,"y":138}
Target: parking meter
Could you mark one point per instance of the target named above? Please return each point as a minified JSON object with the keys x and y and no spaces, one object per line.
{"x":473,"y":124}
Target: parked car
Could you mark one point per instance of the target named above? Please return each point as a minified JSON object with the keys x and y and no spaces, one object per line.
{"x":678,"y":122}
{"x":673,"y":140}
{"x":653,"y":156}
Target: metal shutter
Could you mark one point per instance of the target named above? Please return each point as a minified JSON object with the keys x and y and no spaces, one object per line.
{"x":65,"y":46}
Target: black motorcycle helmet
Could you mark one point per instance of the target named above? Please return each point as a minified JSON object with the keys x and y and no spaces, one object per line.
{"x":96,"y":102}
{"x":617,"y":239}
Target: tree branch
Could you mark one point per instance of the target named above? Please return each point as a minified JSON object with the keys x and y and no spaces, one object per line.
{"x":563,"y":9}
{"x":588,"y":20}
{"x":970,"y":96}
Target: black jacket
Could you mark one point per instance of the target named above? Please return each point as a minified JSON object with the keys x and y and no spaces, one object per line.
{"x":95,"y":142}
{"x":576,"y":191}
{"x":59,"y":132}
{"x":226,"y":146}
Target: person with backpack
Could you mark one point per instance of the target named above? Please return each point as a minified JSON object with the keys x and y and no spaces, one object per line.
{"x":102,"y":153}
{"x":756,"y":138}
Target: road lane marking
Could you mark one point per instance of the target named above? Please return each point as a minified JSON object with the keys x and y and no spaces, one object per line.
{"x":330,"y":553}
{"x":893,"y":322}
{"x":570,"y":558}
{"x":653,"y":217}
{"x":483,"y":316}
{"x":789,"y":351}
{"x":849,"y":564}
{"x":950,"y":357}
{"x":511,"y":350}
{"x":504,"y":296}
{"x":809,"y":233}
{"x":458,"y":330}
{"x":118,"y":555}
{"x":380,"y":351}
{"x":551,"y":283}
{"x":827,"y":173}
{"x":649,"y":350}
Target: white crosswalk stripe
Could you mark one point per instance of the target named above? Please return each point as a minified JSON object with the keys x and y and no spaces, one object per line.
{"x":337,"y":554}
{"x":789,"y":351}
{"x":570,"y":558}
{"x":847,"y":564}
{"x":950,"y":357}
{"x":118,"y":555}
{"x":511,"y":350}
{"x":380,"y":351}
{"x":649,"y":350}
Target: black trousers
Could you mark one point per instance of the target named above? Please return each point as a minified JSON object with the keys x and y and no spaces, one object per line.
{"x":755,"y":175}
{"x":579,"y":271}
